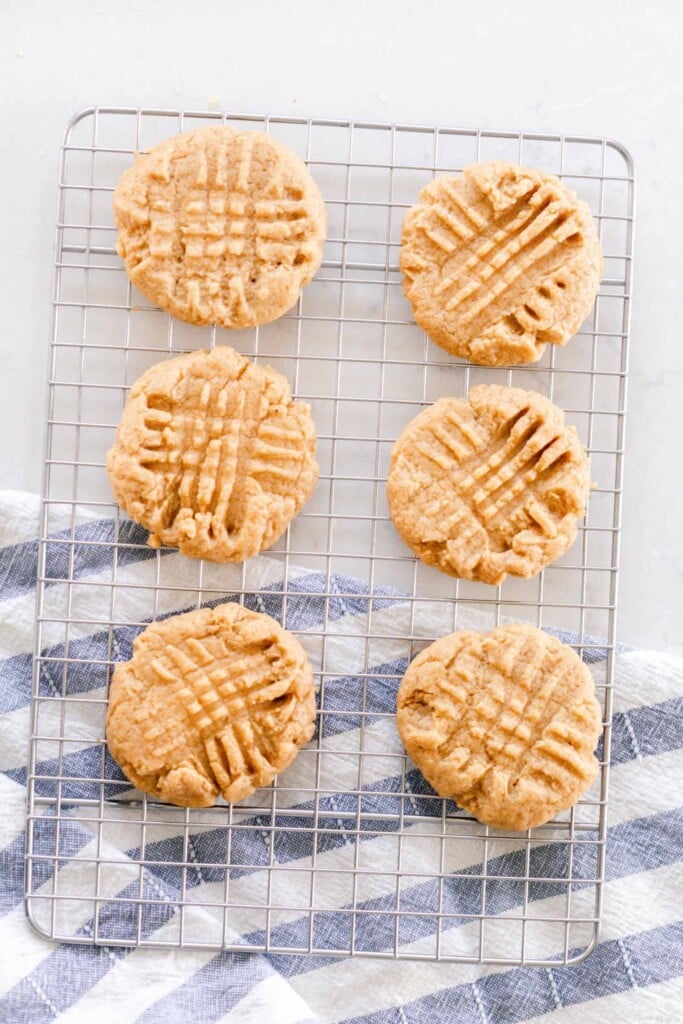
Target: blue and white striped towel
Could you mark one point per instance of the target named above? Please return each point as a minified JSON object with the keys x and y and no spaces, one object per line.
{"x":635,"y":974}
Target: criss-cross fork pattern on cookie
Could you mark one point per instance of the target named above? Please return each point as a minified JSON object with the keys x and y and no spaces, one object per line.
{"x":215,"y":701}
{"x":499,"y":262}
{"x":489,"y":486}
{"x":505,"y":723}
{"x":213,"y":456}
{"x":220,"y":227}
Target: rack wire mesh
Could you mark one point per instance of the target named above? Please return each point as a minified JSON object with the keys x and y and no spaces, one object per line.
{"x":361,"y":856}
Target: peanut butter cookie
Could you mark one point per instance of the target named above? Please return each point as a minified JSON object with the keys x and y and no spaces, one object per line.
{"x":213,"y":455}
{"x":499,"y":262}
{"x":220,"y":227}
{"x":213,"y":702}
{"x":505,"y":723}
{"x":488,"y":486}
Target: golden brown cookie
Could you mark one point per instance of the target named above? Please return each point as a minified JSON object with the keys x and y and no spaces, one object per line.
{"x":212,"y":455}
{"x":505,"y":723}
{"x":213,"y":702}
{"x":488,"y":486}
{"x":499,"y":261}
{"x":220,"y":227}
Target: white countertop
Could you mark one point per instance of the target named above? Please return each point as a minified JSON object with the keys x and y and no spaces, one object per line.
{"x":610,"y":68}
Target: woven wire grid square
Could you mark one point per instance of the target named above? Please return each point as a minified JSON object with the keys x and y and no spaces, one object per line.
{"x":356,"y":855}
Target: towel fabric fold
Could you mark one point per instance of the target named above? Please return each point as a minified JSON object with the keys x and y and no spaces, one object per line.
{"x":635,"y":972}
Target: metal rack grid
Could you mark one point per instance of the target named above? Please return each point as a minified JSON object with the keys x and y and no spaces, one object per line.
{"x":357,"y":855}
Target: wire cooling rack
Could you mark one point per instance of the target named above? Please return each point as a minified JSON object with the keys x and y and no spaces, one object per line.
{"x":358,"y":856}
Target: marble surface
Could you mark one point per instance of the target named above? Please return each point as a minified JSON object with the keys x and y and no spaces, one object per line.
{"x":606,"y":69}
